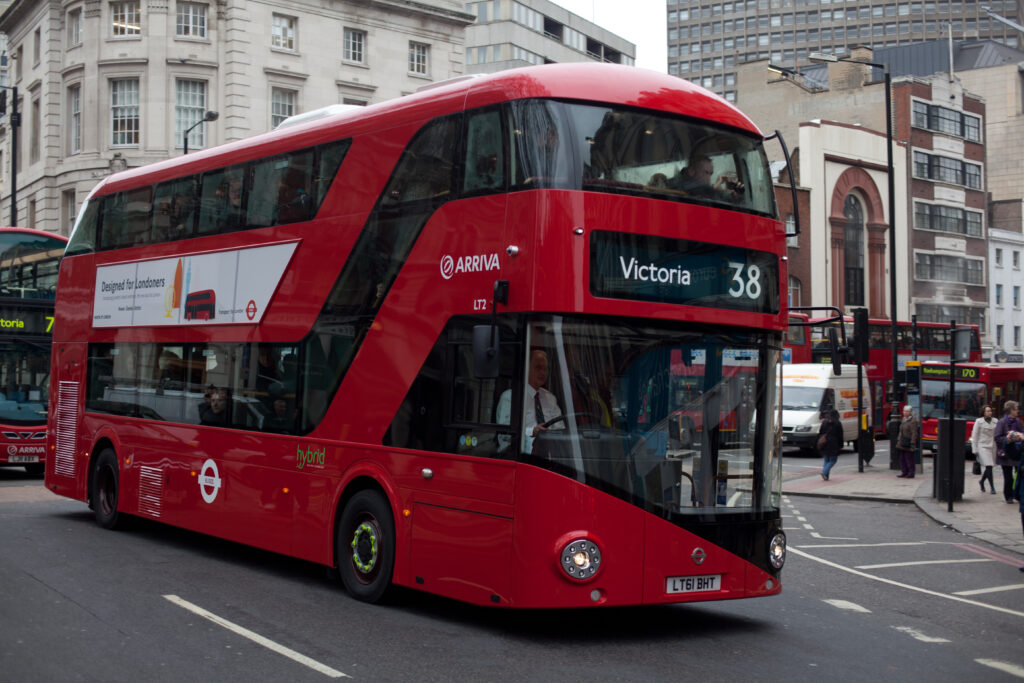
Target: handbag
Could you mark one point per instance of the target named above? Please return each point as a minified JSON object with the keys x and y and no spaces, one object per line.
{"x":904,"y":443}
{"x":822,"y":440}
{"x":977,"y":467}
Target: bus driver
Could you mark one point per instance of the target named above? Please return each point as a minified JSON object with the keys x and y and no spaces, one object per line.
{"x":540,"y":404}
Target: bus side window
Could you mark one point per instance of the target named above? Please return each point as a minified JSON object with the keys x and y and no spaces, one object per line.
{"x":425,"y":169}
{"x":221,"y":200}
{"x":83,"y":238}
{"x":174,"y":210}
{"x":484,"y":163}
{"x":329,"y":158}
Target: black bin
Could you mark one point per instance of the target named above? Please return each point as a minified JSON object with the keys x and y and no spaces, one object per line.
{"x":950,"y":465}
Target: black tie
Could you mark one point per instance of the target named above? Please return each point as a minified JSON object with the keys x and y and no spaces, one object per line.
{"x":537,"y":409}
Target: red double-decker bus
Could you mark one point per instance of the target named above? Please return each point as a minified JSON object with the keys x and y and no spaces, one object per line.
{"x":921,"y":340}
{"x":29,"y":261}
{"x":798,"y":347}
{"x":976,"y":385}
{"x":451,"y":367}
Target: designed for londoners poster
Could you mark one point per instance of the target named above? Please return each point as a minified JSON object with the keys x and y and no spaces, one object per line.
{"x":216,"y":288}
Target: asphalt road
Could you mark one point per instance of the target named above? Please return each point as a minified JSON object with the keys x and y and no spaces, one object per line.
{"x":870,"y":592}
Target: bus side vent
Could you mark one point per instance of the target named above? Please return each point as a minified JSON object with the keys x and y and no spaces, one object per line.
{"x":67,"y":429}
{"x":151,"y":491}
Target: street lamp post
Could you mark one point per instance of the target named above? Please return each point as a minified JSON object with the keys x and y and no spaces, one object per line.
{"x":822,"y":57}
{"x":208,"y":116}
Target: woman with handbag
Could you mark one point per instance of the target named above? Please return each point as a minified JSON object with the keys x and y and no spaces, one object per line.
{"x":830,"y":441}
{"x":906,"y":443}
{"x":1008,"y":436}
{"x":984,"y":446}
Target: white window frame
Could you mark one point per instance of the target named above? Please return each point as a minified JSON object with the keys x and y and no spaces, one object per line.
{"x":124,"y":107}
{"x":74,"y":27}
{"x":191,"y":20}
{"x":284,"y":32}
{"x":189,"y":108}
{"x":419,"y":59}
{"x":74,"y":103}
{"x":284,"y":102}
{"x":126,"y":19}
{"x":352,"y":53}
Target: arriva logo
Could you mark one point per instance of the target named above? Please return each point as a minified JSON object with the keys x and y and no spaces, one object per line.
{"x":310,"y":456}
{"x":477,"y":263}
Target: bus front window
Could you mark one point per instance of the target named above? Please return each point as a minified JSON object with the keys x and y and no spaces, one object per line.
{"x":666,"y":417}
{"x":24,"y":383}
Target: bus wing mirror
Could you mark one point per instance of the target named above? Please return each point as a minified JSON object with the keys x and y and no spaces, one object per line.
{"x":835,"y":351}
{"x":485,"y":351}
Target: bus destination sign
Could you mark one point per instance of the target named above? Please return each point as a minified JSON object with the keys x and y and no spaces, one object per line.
{"x":678,"y":271}
{"x":26,"y":321}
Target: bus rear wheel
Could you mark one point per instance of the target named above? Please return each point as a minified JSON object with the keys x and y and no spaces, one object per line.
{"x":103,"y":489}
{"x":365,"y":546}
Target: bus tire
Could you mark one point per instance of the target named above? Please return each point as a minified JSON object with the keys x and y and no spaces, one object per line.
{"x":365,"y":546}
{"x":104,"y":489}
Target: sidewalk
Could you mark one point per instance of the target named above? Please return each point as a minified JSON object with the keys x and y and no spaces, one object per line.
{"x":984,"y":516}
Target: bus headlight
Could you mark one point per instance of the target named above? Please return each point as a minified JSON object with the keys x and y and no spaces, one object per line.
{"x":580,"y":559}
{"x":777,"y":550}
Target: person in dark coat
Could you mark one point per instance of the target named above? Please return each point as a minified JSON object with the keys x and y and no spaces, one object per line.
{"x":906,"y":443}
{"x":832,"y":431}
{"x":1008,"y":434}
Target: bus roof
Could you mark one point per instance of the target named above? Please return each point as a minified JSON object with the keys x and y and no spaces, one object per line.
{"x":605,"y":83}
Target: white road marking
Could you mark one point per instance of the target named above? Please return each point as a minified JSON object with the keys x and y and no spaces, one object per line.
{"x":917,"y":635}
{"x":862,"y":545}
{"x":257,"y":638}
{"x":1005,"y":667}
{"x":995,"y":589}
{"x":801,"y":519}
{"x":808,"y":526}
{"x":916,"y":563}
{"x":955,"y":598}
{"x":815,"y":534}
{"x":851,"y":606}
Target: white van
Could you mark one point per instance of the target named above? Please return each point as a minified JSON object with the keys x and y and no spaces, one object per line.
{"x":808,"y":389}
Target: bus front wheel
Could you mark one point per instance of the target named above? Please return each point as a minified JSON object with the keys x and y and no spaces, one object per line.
{"x":366,"y":546}
{"x":103,"y":489}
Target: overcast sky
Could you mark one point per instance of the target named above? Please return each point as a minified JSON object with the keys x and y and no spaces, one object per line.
{"x":641,"y":22}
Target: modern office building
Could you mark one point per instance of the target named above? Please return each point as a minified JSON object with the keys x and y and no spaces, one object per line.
{"x":523,"y":32}
{"x":707,"y":40}
{"x":112,"y":84}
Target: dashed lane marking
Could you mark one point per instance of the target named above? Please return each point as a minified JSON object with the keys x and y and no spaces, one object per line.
{"x":851,"y":606}
{"x":257,"y":638}
{"x":1005,"y":667}
{"x":917,"y":635}
{"x":815,"y":534}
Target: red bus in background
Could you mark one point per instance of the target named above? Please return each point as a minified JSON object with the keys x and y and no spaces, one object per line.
{"x":931,"y":344}
{"x":976,"y":385}
{"x":365,"y":400}
{"x":29,"y":261}
{"x":797,"y":346}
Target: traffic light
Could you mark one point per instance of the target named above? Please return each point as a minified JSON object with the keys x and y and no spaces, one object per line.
{"x":860,"y":335}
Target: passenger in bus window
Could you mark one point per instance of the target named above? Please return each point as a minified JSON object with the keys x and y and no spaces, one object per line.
{"x":281,"y":419}
{"x":230,"y":212}
{"x":214,"y":408}
{"x":292,"y":198}
{"x":695,"y":180}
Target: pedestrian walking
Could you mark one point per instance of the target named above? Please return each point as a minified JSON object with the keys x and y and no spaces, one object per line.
{"x":830,"y":441}
{"x":984,"y":446}
{"x":1008,"y":436}
{"x":906,"y":443}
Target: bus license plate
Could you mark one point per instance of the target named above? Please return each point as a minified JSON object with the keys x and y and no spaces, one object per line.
{"x":693,"y":584}
{"x":23,"y":458}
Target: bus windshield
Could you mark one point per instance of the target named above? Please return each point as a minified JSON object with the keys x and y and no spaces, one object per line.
{"x":637,"y":152}
{"x":660,"y":416}
{"x":970,"y":397}
{"x":24,"y":383}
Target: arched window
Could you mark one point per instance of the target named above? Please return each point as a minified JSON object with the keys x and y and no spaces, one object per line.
{"x":853,"y":210}
{"x":794,"y":291}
